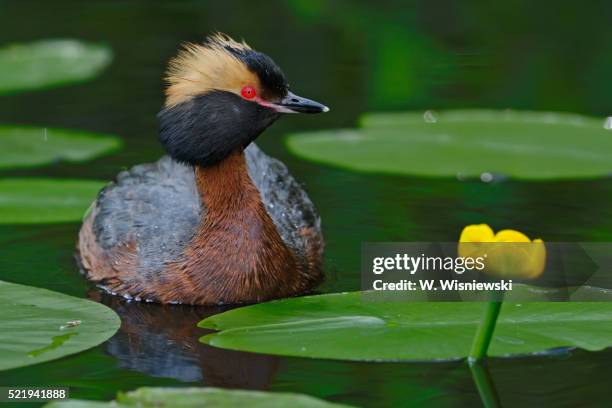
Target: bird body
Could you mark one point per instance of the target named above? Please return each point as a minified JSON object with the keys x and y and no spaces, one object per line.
{"x":217,"y":221}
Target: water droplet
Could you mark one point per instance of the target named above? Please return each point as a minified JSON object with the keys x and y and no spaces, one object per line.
{"x":429,"y":117}
{"x":486,"y":177}
{"x":70,"y":324}
{"x":608,"y":123}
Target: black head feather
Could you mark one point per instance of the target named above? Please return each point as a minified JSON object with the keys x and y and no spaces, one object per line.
{"x":270,"y":75}
{"x":206,"y":129}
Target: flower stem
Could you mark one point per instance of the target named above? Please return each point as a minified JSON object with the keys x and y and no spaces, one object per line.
{"x":485,"y":385}
{"x":484,"y":334}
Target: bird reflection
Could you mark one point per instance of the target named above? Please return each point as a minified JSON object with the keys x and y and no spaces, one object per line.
{"x":162,"y":341}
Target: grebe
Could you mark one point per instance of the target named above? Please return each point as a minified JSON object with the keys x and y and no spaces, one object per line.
{"x":216,"y":221}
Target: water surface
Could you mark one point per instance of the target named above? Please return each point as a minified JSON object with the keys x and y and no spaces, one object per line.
{"x":353,"y":57}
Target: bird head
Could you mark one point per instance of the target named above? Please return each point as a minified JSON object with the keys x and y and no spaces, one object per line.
{"x":221,"y":95}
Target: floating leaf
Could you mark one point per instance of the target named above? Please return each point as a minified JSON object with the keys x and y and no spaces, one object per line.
{"x":49,"y":63}
{"x":524,"y":145}
{"x":345,"y":326}
{"x":25,"y":146}
{"x":202,"y":397}
{"x":32,"y":321}
{"x":38,"y":200}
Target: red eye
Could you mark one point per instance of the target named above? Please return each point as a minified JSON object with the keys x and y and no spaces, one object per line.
{"x":248,"y":92}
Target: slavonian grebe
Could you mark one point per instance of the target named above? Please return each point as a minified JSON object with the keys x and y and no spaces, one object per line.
{"x":217,"y":220}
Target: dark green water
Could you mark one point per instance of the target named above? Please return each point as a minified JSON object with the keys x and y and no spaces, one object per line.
{"x":354,"y":57}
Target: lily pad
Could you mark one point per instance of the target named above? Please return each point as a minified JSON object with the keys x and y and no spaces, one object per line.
{"x":26,"y":146}
{"x":346,"y":326}
{"x":201,"y":397}
{"x":49,"y":63}
{"x":472,"y":143}
{"x":39,"y":200}
{"x":40,"y":325}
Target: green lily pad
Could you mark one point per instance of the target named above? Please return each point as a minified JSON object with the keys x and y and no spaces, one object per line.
{"x":40,"y":325}
{"x":49,"y":63}
{"x":346,"y":326}
{"x":26,"y":146}
{"x":39,"y":200}
{"x":522,"y":145}
{"x":201,"y":397}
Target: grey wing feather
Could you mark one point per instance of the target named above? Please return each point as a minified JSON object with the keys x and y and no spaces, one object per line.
{"x":156,"y":206}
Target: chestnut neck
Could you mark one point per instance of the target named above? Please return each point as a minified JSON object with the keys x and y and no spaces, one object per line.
{"x":236,"y":218}
{"x":226,"y":185}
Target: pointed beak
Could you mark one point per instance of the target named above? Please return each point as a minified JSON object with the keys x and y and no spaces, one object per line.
{"x":296,"y":104}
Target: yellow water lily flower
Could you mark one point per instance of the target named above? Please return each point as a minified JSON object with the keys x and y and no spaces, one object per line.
{"x":507,"y":253}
